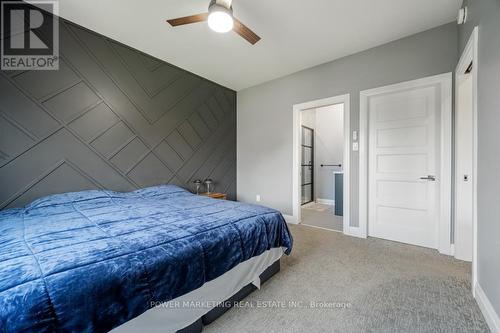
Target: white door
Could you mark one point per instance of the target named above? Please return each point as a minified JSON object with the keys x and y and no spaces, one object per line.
{"x":403,"y":166}
{"x":463,"y":169}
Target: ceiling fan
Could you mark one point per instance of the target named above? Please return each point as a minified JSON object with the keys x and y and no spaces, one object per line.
{"x":220,"y":19}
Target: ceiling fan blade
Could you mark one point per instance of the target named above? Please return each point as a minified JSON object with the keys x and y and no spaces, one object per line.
{"x":188,"y":19}
{"x":245,"y":32}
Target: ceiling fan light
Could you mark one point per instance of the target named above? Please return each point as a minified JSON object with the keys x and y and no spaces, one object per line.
{"x":220,"y":19}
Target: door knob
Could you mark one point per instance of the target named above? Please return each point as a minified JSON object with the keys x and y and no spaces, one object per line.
{"x":429,"y":177}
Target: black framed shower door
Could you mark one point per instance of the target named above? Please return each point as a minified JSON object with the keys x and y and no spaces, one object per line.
{"x":307,"y":165}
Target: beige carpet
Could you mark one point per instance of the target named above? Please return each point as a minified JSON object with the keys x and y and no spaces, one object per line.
{"x":321,"y":215}
{"x":369,"y":286}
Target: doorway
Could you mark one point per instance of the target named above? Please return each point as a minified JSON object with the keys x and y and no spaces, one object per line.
{"x":321,"y":174}
{"x":405,"y":162}
{"x":466,"y":145}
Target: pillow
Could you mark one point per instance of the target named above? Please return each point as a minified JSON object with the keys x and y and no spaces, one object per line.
{"x":65,"y":198}
{"x":160,"y":189}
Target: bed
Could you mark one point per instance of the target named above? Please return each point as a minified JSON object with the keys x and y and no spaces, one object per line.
{"x":93,"y":260}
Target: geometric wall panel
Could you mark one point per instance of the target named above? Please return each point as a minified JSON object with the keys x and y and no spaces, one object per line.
{"x":130,"y":155}
{"x":216,"y":109}
{"x":180,"y":145}
{"x":199,"y":125}
{"x":208,"y":117}
{"x":169,"y":156}
{"x":150,"y":171}
{"x":26,"y":112}
{"x":189,"y":134}
{"x":13,"y":140}
{"x":111,"y":117}
{"x":40,"y":84}
{"x":73,"y":178}
{"x":109,"y":142}
{"x":71,"y":102}
{"x":94,"y":122}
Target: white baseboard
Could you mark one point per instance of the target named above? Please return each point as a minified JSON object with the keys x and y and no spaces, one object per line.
{"x":447,"y":250}
{"x":321,"y":228}
{"x":487,"y":309}
{"x":290,"y":219}
{"x":326,"y":201}
{"x":354,"y":232}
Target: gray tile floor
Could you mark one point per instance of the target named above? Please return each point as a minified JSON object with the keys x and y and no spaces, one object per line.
{"x":321,"y":215}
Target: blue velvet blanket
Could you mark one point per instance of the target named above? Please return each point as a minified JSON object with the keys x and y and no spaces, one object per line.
{"x":90,"y":261}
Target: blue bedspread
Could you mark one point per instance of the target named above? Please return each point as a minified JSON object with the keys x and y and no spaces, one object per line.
{"x":92,"y":260}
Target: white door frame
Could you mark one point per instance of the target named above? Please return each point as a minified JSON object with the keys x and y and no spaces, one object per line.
{"x":297,"y":108}
{"x":470,"y":54}
{"x":445,"y":82}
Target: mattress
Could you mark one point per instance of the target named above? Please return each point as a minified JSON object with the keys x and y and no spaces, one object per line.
{"x":92,"y":260}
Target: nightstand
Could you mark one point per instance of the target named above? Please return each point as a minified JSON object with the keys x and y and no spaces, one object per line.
{"x":215,"y":195}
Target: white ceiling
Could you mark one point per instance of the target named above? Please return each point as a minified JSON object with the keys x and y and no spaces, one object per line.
{"x":296,"y":34}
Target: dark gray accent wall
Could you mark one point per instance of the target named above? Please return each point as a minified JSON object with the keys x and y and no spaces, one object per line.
{"x":486,"y":15}
{"x":112,"y":118}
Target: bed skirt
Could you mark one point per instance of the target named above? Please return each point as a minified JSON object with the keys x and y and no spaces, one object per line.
{"x":188,"y":313}
{"x":219,"y":310}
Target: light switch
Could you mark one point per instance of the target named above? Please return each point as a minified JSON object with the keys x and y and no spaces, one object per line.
{"x":257,"y":198}
{"x":355,"y":146}
{"x":355,"y":135}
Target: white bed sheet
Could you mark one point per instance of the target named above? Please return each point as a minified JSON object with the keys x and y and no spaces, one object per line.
{"x":180,"y":312}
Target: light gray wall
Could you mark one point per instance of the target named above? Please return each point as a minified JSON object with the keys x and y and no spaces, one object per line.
{"x":486,"y":15}
{"x":114,"y":118}
{"x":264,"y":125}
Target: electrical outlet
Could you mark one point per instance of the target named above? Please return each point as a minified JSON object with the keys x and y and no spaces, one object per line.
{"x":257,"y":198}
{"x":355,"y":146}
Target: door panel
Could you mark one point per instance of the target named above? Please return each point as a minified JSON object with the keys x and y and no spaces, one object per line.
{"x":463,"y":170}
{"x":402,"y":137}
{"x":402,"y":163}
{"x":402,"y":150}
{"x":402,"y":194}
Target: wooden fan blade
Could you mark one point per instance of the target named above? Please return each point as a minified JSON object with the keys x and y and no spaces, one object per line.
{"x":188,"y":19}
{"x":245,"y":32}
